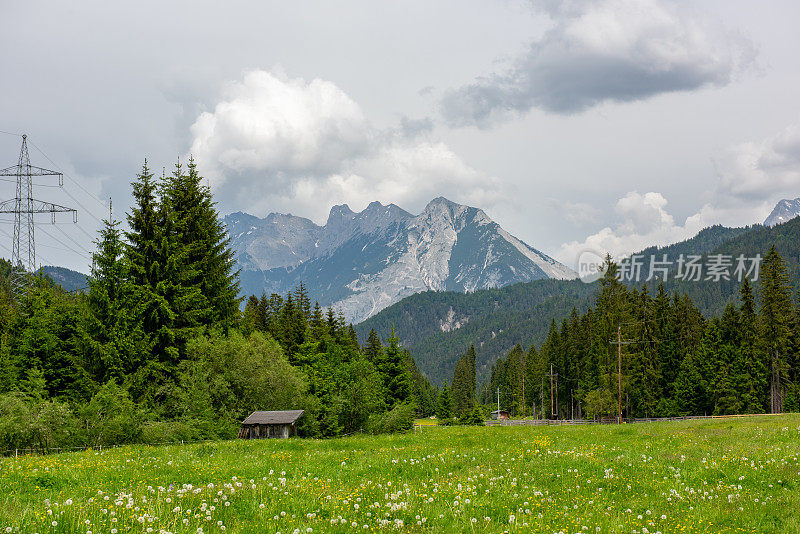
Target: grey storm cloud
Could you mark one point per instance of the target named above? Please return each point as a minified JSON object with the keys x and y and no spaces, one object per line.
{"x":614,"y":50}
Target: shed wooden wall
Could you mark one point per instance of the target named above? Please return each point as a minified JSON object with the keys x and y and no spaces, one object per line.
{"x":266,"y":431}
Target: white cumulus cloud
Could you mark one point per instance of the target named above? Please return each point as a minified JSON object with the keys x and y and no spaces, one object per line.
{"x":645,"y":221}
{"x":758,"y":171}
{"x":275,"y":143}
{"x":751,"y":178}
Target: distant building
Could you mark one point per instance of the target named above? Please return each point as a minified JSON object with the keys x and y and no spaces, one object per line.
{"x":279,"y":424}
{"x":500,"y":414}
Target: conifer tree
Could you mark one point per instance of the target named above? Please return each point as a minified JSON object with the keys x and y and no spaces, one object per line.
{"x":776,"y":317}
{"x":373,"y":349}
{"x":200,"y":235}
{"x":317,"y":322}
{"x":753,"y":368}
{"x":143,"y":237}
{"x":177,"y":285}
{"x":689,"y":390}
{"x":392,"y":366}
{"x":291,"y":327}
{"x":150,"y":310}
{"x":463,"y":386}
{"x":109,"y":325}
{"x":667,"y":352}
{"x":444,"y":406}
{"x":302,"y":301}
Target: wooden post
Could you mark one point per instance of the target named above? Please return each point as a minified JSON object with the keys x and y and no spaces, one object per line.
{"x":542,"y":397}
{"x":619,"y":351}
{"x":551,"y":390}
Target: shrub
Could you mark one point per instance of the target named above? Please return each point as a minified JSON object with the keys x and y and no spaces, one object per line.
{"x":111,"y":417}
{"x":169,"y":432}
{"x":472,"y":417}
{"x":398,"y":419}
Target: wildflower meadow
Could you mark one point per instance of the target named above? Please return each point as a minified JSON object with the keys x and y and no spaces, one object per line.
{"x":727,"y":475}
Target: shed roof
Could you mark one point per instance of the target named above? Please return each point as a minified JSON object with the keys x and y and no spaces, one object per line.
{"x":281,"y":417}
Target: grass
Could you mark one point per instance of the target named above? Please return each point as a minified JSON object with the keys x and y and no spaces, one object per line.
{"x":692,"y":476}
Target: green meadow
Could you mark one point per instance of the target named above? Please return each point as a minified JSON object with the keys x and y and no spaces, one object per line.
{"x":722,"y":475}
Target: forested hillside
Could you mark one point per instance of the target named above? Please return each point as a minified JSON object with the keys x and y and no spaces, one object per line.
{"x":497,"y":320}
{"x":674,"y":361}
{"x":67,"y":278}
{"x":439,"y":326}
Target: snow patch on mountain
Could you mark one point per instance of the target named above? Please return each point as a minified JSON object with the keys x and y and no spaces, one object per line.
{"x":785,"y":210}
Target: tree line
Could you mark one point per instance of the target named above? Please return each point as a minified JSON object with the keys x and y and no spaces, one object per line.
{"x":157,"y":349}
{"x":675,"y":361}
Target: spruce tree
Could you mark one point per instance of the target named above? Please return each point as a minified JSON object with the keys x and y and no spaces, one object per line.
{"x":150,"y":311}
{"x":109,"y":325}
{"x":317,"y":322}
{"x":177,"y":285}
{"x":392,"y":366}
{"x":373,"y":349}
{"x":463,"y":386}
{"x":200,"y":235}
{"x":444,"y":405}
{"x":668,"y":355}
{"x":752,"y":362}
{"x":776,"y":317}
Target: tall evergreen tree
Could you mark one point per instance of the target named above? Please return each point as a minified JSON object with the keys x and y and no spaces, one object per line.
{"x":151,"y":312}
{"x":463,"y":386}
{"x":776,"y":317}
{"x":392,"y":366}
{"x":200,"y":234}
{"x":110,"y":328}
{"x":373,"y":349}
{"x":752,"y":362}
{"x":444,"y":405}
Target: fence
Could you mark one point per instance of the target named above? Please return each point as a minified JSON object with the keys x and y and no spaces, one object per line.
{"x":99,"y":448}
{"x":611,"y":420}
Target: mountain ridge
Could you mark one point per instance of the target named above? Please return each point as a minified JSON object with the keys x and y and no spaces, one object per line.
{"x":362,"y":262}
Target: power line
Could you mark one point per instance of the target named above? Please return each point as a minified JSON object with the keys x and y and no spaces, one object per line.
{"x":96,"y":199}
{"x":70,"y":238}
{"x":76,"y":201}
{"x":51,"y":236}
{"x":87,"y":234}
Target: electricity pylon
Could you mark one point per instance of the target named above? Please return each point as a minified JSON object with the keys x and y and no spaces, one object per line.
{"x":24,"y":206}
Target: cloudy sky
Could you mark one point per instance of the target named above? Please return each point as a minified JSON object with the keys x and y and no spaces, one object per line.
{"x":607,"y":124}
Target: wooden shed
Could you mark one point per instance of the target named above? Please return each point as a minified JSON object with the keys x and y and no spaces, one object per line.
{"x":500,"y":414}
{"x":278,"y":424}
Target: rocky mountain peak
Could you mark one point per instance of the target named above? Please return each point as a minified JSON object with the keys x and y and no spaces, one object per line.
{"x":784,"y":211}
{"x":339,"y":213}
{"x":362,"y":262}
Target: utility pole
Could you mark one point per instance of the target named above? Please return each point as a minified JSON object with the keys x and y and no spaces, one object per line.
{"x":572,"y":404}
{"x":24,"y":206}
{"x":498,"y":403}
{"x":551,"y":390}
{"x":556,"y":411}
{"x":541,"y":395}
{"x":619,"y":342}
{"x":523,"y":394}
{"x":619,"y":350}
